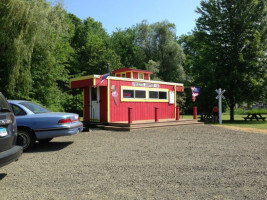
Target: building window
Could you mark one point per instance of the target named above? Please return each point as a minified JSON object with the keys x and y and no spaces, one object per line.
{"x":128,"y":94}
{"x":140,"y":94}
{"x":163,"y":95}
{"x":123,"y":75}
{"x":153,"y":95}
{"x":140,"y":76}
{"x":134,"y":94}
{"x":143,"y":94}
{"x":158,"y":95}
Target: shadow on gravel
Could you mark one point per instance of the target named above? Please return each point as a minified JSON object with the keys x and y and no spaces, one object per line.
{"x":2,"y":176}
{"x":49,"y":147}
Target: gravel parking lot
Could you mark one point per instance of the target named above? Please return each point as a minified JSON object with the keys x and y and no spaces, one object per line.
{"x":187,"y":162}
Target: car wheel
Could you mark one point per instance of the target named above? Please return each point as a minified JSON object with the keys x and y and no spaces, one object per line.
{"x":43,"y":141}
{"x":28,"y":139}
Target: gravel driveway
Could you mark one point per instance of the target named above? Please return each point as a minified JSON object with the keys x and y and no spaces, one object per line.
{"x":187,"y":162}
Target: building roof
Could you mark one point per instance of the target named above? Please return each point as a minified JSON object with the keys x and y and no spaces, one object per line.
{"x":131,"y":70}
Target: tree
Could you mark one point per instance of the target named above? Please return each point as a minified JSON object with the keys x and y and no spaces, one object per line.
{"x":159,"y":44}
{"x":228,"y":49}
{"x":92,"y":45}
{"x":34,"y":51}
{"x":124,"y":44}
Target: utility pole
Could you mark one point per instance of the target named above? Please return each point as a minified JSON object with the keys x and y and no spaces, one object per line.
{"x":220,"y":96}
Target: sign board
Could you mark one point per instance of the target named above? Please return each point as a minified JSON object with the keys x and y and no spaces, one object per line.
{"x":171,"y":97}
{"x":151,"y":85}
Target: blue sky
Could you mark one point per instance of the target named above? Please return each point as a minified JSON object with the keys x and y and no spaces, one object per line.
{"x":126,"y":13}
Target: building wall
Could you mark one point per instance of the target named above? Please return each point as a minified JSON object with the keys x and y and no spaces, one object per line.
{"x":86,"y":106}
{"x":141,"y":110}
{"x":103,"y":104}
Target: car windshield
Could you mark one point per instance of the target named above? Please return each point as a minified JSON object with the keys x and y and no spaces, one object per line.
{"x":34,"y":107}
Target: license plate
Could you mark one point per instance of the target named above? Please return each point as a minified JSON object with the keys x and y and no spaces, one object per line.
{"x":3,"y":132}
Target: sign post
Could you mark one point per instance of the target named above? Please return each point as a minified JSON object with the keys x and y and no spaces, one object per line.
{"x":220,"y":96}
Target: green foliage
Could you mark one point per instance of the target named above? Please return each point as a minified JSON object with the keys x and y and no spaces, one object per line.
{"x":244,"y":111}
{"x":153,"y":67}
{"x":34,"y":51}
{"x":92,"y":49}
{"x":256,"y":111}
{"x":158,"y":42}
{"x":228,"y":50}
{"x":124,"y":44}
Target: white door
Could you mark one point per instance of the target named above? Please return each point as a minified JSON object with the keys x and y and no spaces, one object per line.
{"x":95,"y":104}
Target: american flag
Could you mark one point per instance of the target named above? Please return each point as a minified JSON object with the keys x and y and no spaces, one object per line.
{"x":102,"y":78}
{"x":195,"y":92}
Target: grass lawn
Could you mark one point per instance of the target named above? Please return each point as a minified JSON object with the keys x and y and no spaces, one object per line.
{"x":240,"y":122}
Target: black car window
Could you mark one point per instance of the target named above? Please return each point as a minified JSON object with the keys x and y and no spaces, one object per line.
{"x":3,"y":104}
{"x":17,"y":110}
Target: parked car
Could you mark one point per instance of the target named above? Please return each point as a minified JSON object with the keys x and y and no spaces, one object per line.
{"x":9,"y":151}
{"x":36,"y":123}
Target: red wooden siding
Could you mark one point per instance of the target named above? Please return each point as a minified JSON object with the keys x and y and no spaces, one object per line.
{"x":118,"y":75}
{"x":146,"y":77}
{"x":81,"y":83}
{"x":128,"y":75}
{"x":105,"y":82}
{"x":179,"y":88}
{"x":103,"y":104}
{"x":141,"y":110}
{"x":135,"y":75}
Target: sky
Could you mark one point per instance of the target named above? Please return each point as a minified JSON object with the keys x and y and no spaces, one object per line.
{"x":124,"y":14}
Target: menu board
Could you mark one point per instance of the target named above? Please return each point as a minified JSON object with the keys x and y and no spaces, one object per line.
{"x":171,"y":99}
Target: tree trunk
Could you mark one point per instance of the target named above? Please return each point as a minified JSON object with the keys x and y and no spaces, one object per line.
{"x":232,"y":116}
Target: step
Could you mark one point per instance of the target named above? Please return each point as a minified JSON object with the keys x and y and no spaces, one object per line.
{"x":128,"y":127}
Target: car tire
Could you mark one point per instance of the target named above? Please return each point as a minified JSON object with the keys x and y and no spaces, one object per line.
{"x":43,"y":141}
{"x":28,"y":139}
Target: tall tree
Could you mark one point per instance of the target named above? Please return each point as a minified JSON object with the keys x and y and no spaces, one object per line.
{"x":229,"y":49}
{"x":34,"y":50}
{"x":92,"y":46}
{"x":159,"y":43}
{"x":125,"y":45}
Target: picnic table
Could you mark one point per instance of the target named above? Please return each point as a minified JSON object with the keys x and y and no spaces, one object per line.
{"x":206,"y":117}
{"x":256,"y":116}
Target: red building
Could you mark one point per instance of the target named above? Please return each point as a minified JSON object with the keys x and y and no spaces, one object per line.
{"x":129,"y":88}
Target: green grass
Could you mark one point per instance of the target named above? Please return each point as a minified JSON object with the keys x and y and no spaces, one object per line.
{"x":240,"y":122}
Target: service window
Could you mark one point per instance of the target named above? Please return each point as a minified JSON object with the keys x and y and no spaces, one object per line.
{"x":163,"y":95}
{"x":128,"y":94}
{"x":158,"y":95}
{"x":140,"y":94}
{"x":153,"y":94}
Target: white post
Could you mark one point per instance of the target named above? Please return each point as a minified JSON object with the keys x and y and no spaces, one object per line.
{"x":220,"y":107}
{"x":220,"y":96}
